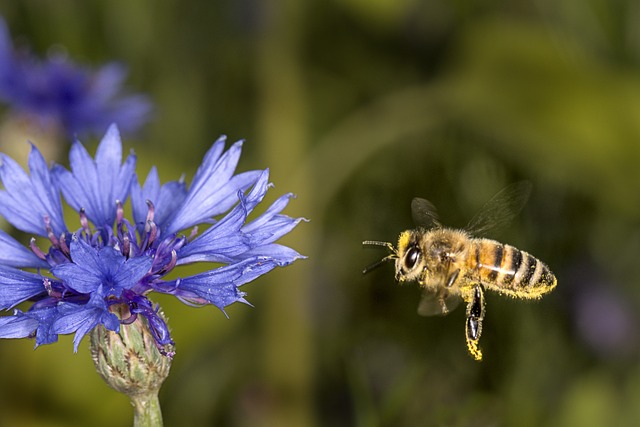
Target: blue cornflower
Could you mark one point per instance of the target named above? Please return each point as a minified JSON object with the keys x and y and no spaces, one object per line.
{"x":59,"y":94}
{"x":111,"y":261}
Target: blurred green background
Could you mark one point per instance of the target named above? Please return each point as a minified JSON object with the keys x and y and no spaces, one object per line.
{"x":358,"y":106}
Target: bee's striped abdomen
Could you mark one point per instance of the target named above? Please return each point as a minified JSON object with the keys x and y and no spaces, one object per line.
{"x":509,"y":270}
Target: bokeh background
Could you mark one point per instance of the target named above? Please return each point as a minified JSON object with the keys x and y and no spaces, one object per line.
{"x":357,"y":106}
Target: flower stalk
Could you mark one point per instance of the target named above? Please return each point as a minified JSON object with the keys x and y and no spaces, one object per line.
{"x":146,"y":410}
{"x":130,"y":362}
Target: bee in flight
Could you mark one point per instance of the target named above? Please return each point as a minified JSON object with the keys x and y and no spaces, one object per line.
{"x":452,"y":265}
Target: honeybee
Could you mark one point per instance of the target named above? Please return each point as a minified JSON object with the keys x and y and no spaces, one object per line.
{"x":452,"y":265}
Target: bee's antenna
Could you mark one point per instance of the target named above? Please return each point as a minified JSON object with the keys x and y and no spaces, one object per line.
{"x":378,"y":243}
{"x":389,"y":257}
{"x":378,"y":263}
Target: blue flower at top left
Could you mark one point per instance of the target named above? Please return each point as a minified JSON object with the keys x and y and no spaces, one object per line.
{"x":56,"y":93}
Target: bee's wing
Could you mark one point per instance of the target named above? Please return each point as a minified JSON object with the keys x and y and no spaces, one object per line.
{"x":501,"y":208}
{"x":424,"y":213}
{"x":437,"y":303}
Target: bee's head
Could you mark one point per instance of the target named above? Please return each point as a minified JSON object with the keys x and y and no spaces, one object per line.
{"x":410,"y":260}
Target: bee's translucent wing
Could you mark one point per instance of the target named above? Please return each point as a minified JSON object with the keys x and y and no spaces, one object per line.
{"x":424,"y":213}
{"x":437,"y":303}
{"x":501,"y":208}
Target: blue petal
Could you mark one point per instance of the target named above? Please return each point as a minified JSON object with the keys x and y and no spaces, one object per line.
{"x":132,"y":271}
{"x":172,"y":194}
{"x":274,"y":229}
{"x":13,"y":254}
{"x":88,"y":257}
{"x":216,"y":286}
{"x":107,"y":80}
{"x":270,"y":226}
{"x":26,"y":201}
{"x":97,"y":185}
{"x":140,"y":195}
{"x":215,"y":248}
{"x":17,"y":286}
{"x":103,"y":268}
{"x":157,"y":326}
{"x":108,"y":158}
{"x":85,"y":273}
{"x":110,"y":260}
{"x":166,"y":198}
{"x":104,"y":107}
{"x":115,"y":180}
{"x":214,"y":188}
{"x":17,"y":327}
{"x":131,"y":112}
{"x":77,"y":278}
{"x":83,"y":318}
{"x":224,"y":239}
{"x":45,"y":317}
{"x":45,"y":191}
{"x":263,"y":259}
{"x":220,"y":286}
{"x":80,"y":187}
{"x":22,"y":325}
{"x":281,"y":254}
{"x":261,"y":221}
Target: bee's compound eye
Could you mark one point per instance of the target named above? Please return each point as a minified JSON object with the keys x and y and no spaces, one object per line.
{"x":411,"y":257}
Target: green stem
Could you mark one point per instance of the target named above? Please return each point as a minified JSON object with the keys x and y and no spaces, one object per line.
{"x":283,"y":135}
{"x":146,"y":410}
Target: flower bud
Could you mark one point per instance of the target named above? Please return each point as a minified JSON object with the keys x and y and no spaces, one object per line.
{"x":129,"y":360}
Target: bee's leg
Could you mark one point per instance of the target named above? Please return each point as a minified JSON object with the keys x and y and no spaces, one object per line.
{"x":475,"y":315}
{"x":452,"y":278}
{"x":441,"y":297}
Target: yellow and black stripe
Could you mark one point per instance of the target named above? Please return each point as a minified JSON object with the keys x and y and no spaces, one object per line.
{"x":508,"y":270}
